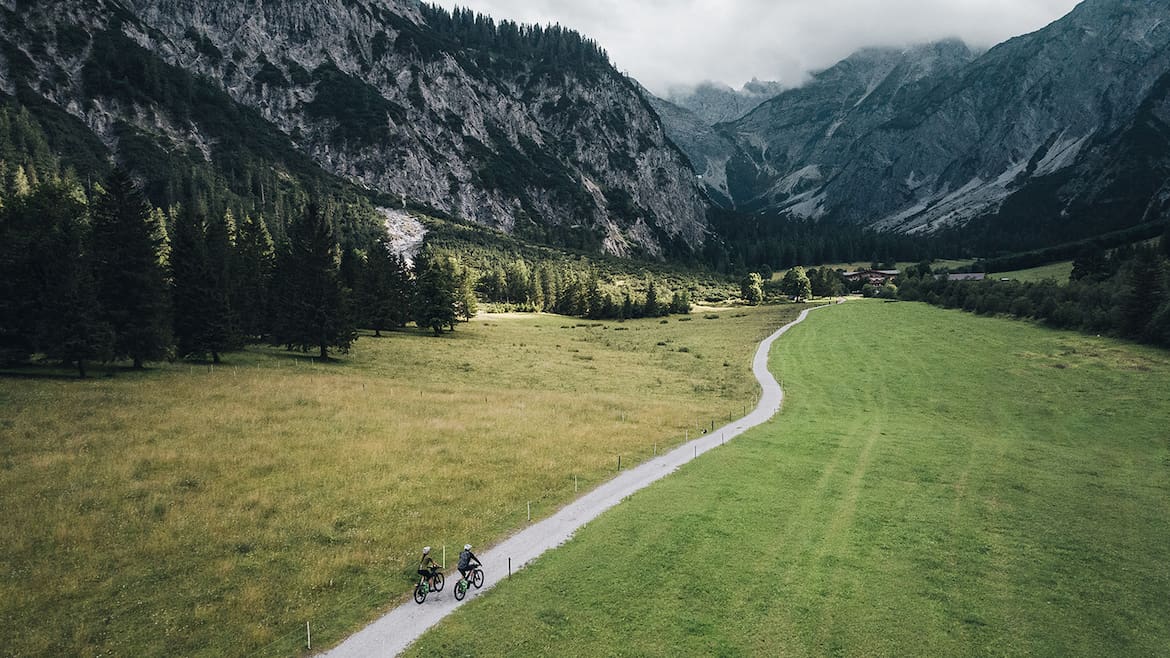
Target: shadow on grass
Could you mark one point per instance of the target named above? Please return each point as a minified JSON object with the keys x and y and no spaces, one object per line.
{"x":37,"y":371}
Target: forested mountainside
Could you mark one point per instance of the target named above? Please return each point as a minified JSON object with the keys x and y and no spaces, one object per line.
{"x":526,"y":129}
{"x":1056,"y":135}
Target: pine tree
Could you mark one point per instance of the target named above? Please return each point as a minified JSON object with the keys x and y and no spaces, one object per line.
{"x":66,"y":316}
{"x":594,"y":300}
{"x":466,"y":304}
{"x":313,"y":310}
{"x":651,"y":308}
{"x":130,"y":281}
{"x":384,"y":289}
{"x":72,"y":329}
{"x":201,"y":309}
{"x":254,"y":264}
{"x":434,"y":293}
{"x":1143,"y":291}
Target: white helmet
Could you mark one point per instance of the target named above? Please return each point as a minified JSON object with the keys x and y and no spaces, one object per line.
{"x":467,"y":547}
{"x":426,"y":549}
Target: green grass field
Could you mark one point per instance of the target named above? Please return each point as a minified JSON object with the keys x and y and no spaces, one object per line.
{"x":938,"y":484}
{"x":1058,"y":272}
{"x":192,"y":510}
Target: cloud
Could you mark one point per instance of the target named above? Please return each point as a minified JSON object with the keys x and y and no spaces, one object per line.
{"x":665,"y":43}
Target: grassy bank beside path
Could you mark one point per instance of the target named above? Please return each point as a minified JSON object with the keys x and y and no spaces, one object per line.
{"x":937,"y":484}
{"x":213,"y":511}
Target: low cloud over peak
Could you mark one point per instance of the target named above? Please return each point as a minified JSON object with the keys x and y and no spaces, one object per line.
{"x":680,"y":43}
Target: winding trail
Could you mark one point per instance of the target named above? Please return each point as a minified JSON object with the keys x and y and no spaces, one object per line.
{"x":394,"y":631}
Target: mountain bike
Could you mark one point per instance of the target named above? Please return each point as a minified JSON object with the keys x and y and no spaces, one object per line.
{"x":465,"y":584}
{"x":422,"y":588}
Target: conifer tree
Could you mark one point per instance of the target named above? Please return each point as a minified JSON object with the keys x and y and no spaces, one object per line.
{"x":466,"y":304}
{"x":434,"y":293}
{"x":66,"y":316}
{"x":384,"y":289}
{"x":130,"y":281}
{"x":1143,"y":291}
{"x":594,"y":299}
{"x":651,"y":309}
{"x":313,"y":310}
{"x":71,"y":328}
{"x":254,"y":265}
{"x":201,"y":308}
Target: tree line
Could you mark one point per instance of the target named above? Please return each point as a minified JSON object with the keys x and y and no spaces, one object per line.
{"x":1123,"y":292}
{"x":549,"y":288}
{"x":100,"y":275}
{"x":764,"y":241}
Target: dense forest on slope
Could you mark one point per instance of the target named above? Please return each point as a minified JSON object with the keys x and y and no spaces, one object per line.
{"x":1122,"y":292}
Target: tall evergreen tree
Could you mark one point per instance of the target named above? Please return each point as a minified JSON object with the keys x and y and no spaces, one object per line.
{"x":594,"y":298}
{"x":71,"y":328}
{"x":384,"y":293}
{"x":66,"y":315}
{"x":254,"y":265}
{"x":434,"y":293}
{"x":130,"y":280}
{"x":651,"y":308}
{"x":313,"y":310}
{"x":466,"y":304}
{"x":1143,"y":291}
{"x":202,"y":310}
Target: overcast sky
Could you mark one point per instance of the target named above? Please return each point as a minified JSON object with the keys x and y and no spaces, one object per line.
{"x":664,"y":43}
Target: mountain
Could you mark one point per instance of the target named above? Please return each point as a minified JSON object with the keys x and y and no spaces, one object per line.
{"x":714,"y":103}
{"x":708,"y":150}
{"x":525,"y":129}
{"x":1061,"y":131}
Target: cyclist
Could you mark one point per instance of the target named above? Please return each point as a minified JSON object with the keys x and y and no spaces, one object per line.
{"x":427,"y":567}
{"x":465,"y":565}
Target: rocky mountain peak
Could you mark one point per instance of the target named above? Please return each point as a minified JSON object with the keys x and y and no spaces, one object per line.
{"x":528,"y":129}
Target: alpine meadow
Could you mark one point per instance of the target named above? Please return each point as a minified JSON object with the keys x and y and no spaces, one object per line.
{"x":864,"y":357}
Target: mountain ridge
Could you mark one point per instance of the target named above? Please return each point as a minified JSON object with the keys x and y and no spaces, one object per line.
{"x":964,"y":135}
{"x":525,"y":129}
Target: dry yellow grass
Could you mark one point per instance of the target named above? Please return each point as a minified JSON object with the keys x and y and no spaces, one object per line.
{"x":213,"y":511}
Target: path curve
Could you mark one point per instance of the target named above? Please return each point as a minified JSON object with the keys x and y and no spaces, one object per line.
{"x":393,"y":632}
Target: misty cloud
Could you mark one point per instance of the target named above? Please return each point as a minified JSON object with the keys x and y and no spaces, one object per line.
{"x":678,"y":43}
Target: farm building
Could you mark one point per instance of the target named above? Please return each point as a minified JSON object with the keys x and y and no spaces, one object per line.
{"x":874,"y":277}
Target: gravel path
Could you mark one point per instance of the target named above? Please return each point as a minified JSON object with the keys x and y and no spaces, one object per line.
{"x":393,"y":632}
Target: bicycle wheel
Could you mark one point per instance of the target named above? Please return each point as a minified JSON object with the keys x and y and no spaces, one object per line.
{"x":477,"y":578}
{"x":439,"y":582}
{"x":420,"y":593}
{"x":460,"y":589}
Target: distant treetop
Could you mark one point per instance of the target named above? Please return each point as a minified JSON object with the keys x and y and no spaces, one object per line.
{"x":511,"y":39}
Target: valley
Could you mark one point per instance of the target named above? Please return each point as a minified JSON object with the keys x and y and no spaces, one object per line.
{"x":202,"y":510}
{"x":936,"y":484}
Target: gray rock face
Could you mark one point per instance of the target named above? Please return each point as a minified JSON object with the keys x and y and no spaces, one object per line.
{"x":797,"y":142}
{"x":708,"y":150}
{"x":935,"y":136}
{"x":716,"y":103}
{"x":375,"y":95}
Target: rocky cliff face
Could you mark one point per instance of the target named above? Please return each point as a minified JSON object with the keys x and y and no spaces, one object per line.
{"x":708,"y":150}
{"x":716,"y":103}
{"x":797,"y":142}
{"x":468,"y":118}
{"x":936,"y":136}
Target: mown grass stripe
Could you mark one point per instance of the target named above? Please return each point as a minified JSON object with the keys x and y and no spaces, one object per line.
{"x":937,"y":484}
